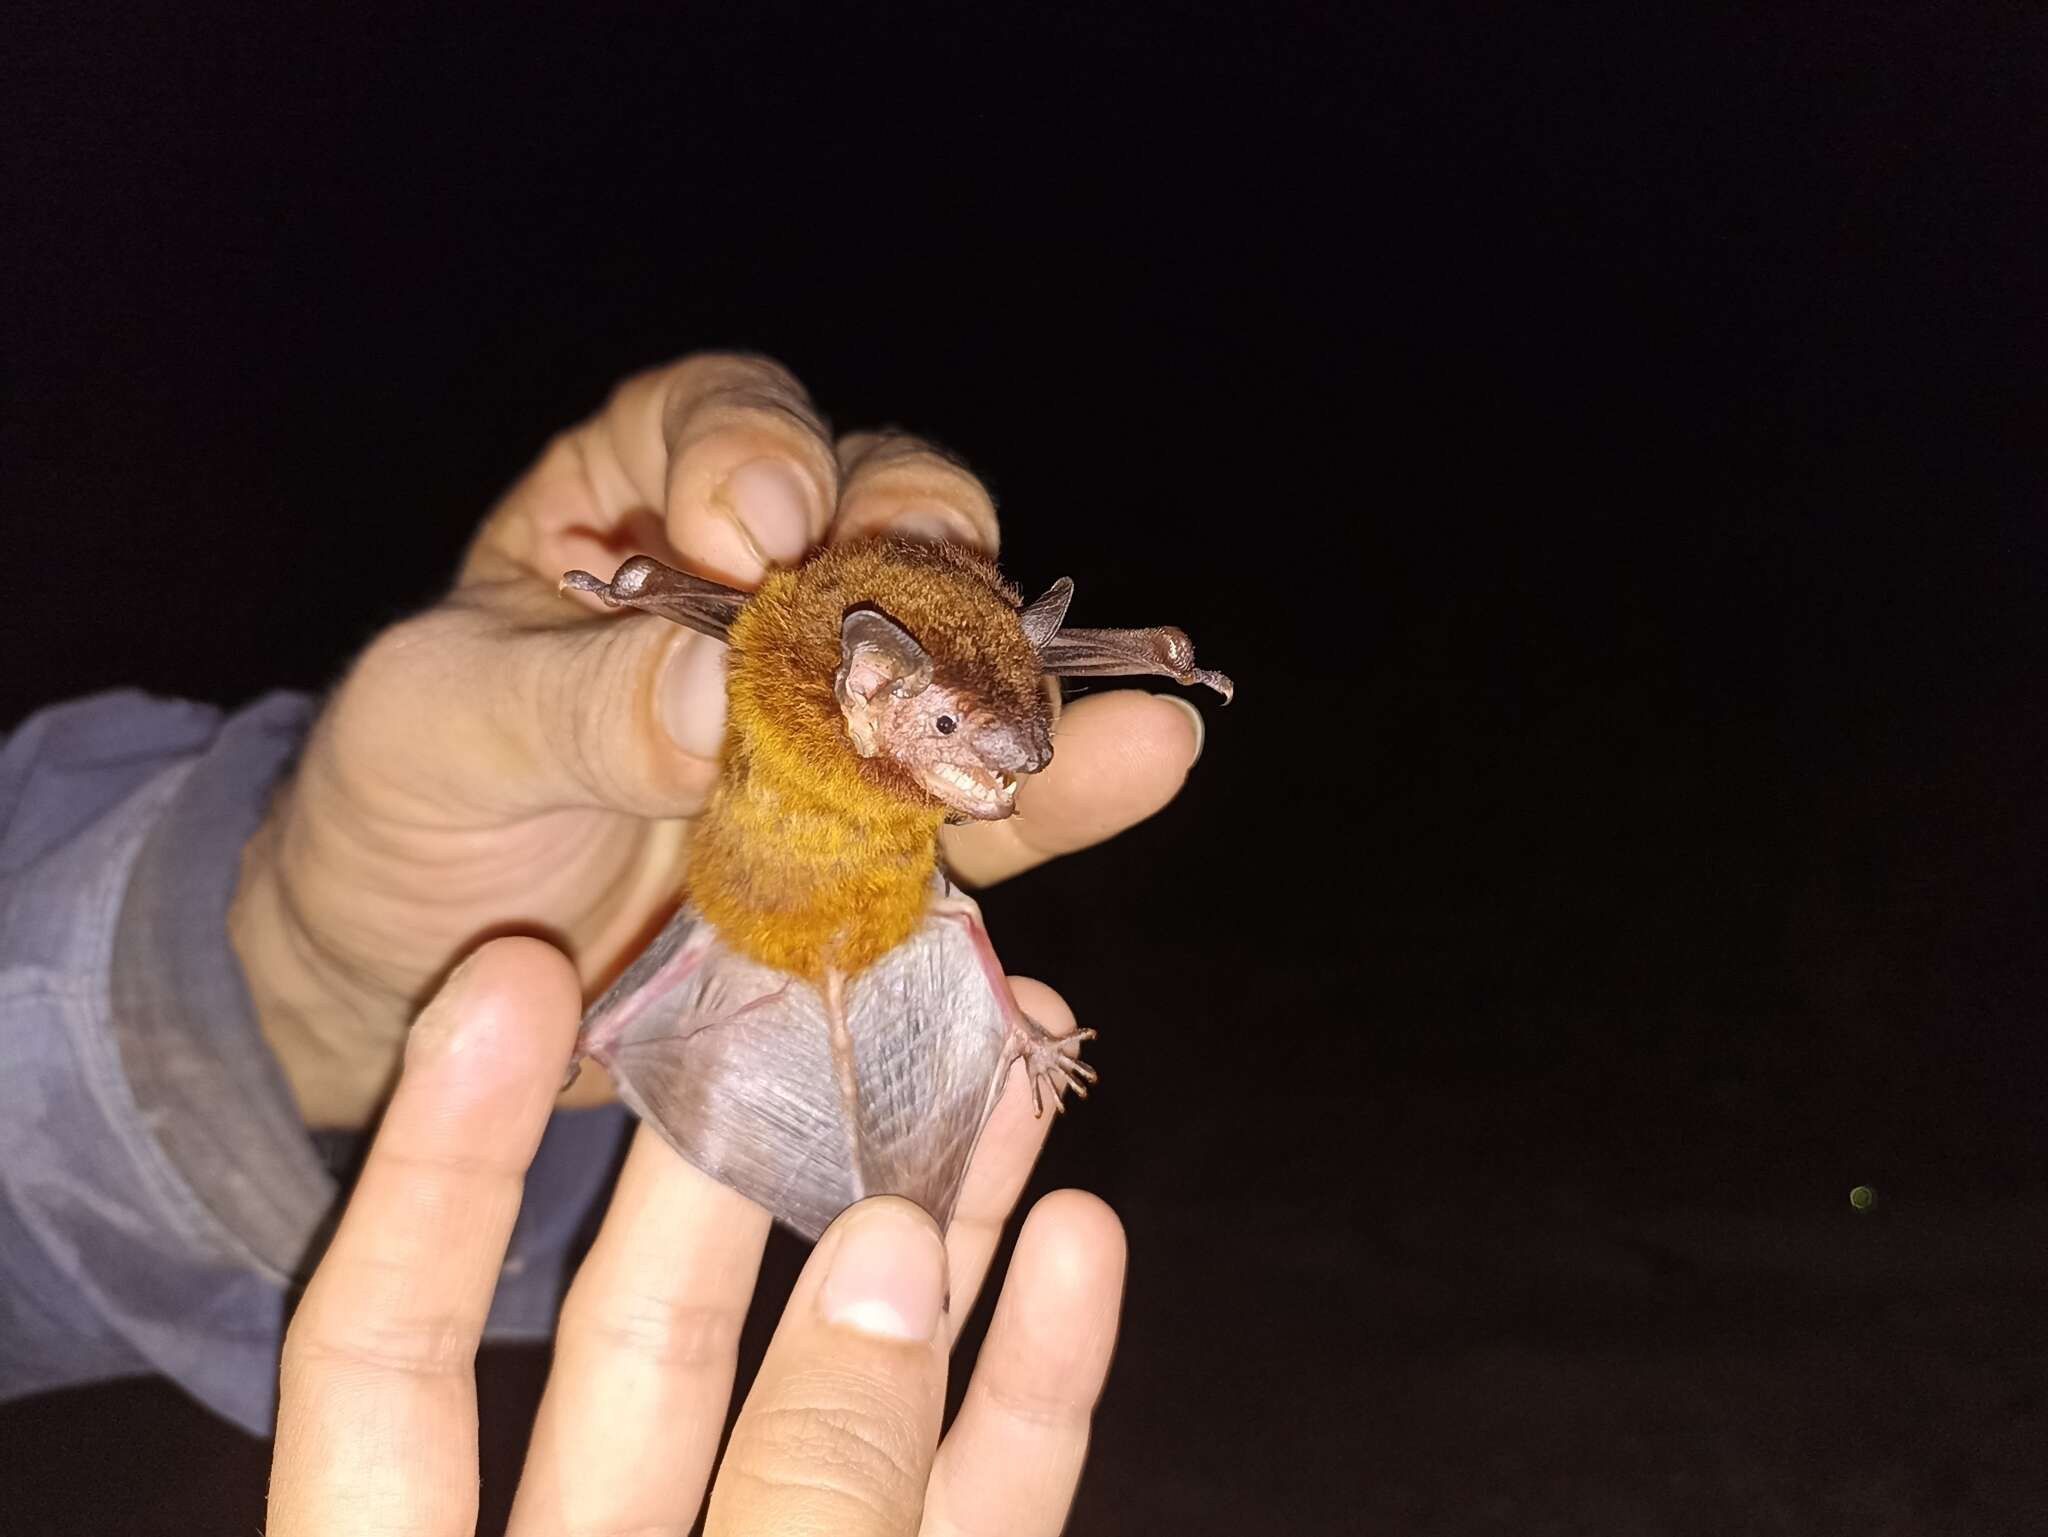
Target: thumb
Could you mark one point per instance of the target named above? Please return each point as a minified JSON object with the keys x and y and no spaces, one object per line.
{"x":502,"y":702}
{"x":839,"y":1432}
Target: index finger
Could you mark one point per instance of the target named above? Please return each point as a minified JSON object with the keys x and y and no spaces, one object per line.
{"x":1002,"y":1163}
{"x":376,"y":1421}
{"x":1117,"y":759}
{"x":718,"y":462}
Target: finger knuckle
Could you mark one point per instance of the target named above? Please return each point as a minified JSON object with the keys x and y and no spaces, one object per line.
{"x":1038,"y":1407}
{"x":403,"y":651}
{"x":646,"y":1326}
{"x":396,"y":681}
{"x":839,"y":1437}
{"x":898,"y":467}
{"x":573,"y":692}
{"x":896,"y":453}
{"x":740,"y":366}
{"x":741,"y":388}
{"x":378,"y":1347}
{"x":556,"y":705}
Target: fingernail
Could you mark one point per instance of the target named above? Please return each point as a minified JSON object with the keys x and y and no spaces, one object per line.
{"x":932,"y":525}
{"x":1194,"y":719}
{"x":438,"y":1029}
{"x":888,"y":1275}
{"x":773,"y":501}
{"x":692,"y":697}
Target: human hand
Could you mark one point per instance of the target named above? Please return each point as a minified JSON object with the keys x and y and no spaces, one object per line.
{"x":514,"y":761}
{"x":377,"y":1425}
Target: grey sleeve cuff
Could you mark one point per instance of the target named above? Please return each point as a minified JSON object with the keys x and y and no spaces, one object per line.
{"x":209,"y":1088}
{"x":189,"y":1042}
{"x":159,"y":1195}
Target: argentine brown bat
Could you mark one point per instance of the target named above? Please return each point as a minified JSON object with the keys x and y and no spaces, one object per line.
{"x":824,"y":1018}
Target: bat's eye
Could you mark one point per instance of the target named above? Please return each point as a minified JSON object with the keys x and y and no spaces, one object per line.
{"x":946,"y":725}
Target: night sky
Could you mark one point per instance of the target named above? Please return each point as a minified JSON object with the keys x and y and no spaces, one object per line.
{"x":1608,"y":453}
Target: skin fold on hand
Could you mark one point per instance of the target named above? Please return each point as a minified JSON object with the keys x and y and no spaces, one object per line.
{"x":517,"y":761}
{"x":377,"y":1426}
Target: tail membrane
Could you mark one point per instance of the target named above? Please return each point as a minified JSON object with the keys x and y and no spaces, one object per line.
{"x":731,"y":1063}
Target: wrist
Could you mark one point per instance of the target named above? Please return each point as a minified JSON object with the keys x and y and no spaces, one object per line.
{"x":337,"y":1037}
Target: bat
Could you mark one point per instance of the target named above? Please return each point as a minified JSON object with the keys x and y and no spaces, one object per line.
{"x":824,"y":1019}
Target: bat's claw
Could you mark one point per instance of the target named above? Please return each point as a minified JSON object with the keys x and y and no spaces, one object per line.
{"x":1052,"y":1062}
{"x":583,"y":581}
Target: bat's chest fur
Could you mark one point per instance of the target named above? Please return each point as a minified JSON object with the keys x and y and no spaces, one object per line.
{"x":809,"y":875}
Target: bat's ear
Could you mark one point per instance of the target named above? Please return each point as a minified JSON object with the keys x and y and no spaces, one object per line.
{"x":877,"y":656}
{"x":877,"y":653}
{"x":1044,"y":616}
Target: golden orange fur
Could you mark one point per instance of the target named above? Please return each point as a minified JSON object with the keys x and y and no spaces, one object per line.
{"x":809,"y":856}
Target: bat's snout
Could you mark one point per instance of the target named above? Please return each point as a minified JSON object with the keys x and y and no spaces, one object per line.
{"x":1013,"y":749}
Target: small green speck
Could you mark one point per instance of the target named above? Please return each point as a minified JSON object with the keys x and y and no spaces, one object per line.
{"x":1863,"y":1198}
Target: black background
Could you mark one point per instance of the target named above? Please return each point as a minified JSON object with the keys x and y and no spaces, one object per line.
{"x":1605,"y":448}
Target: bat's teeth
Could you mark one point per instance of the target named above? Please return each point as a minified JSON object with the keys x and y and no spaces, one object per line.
{"x":988,"y":789}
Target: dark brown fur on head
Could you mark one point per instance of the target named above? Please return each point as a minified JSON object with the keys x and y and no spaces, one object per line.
{"x":936,"y":694}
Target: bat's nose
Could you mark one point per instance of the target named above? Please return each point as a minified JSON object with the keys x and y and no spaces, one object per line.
{"x":1015,"y":749}
{"x":1041,"y":748}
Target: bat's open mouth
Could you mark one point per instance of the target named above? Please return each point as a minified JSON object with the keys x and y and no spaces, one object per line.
{"x":979,"y":792}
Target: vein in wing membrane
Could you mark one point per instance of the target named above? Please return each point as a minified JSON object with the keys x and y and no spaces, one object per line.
{"x":731,"y":1063}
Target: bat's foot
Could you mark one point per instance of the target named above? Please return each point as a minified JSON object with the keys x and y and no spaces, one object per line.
{"x":1053,"y":1062}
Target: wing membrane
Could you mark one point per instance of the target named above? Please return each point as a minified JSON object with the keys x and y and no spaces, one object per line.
{"x":731,"y":1063}
{"x":643,"y":582}
{"x":1162,"y":651}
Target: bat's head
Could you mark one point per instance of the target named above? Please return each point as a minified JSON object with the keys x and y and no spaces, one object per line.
{"x":961,"y":711}
{"x":885,"y":668}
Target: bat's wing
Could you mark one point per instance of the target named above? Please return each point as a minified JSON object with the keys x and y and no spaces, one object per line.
{"x":731,"y":1062}
{"x":1162,"y":651}
{"x":645,"y":583}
